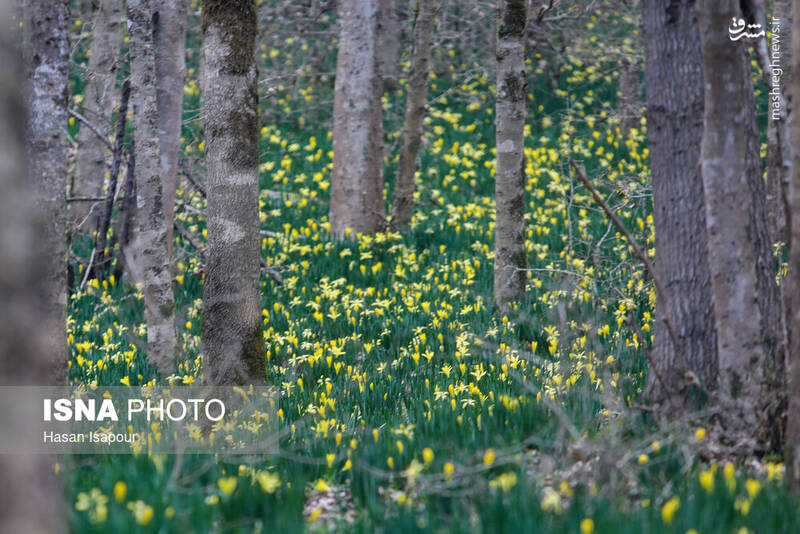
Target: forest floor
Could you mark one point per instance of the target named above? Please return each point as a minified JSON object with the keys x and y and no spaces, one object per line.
{"x":407,"y":404}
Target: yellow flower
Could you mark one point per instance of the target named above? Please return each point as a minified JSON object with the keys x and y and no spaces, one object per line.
{"x":700,"y":434}
{"x":752,"y":486}
{"x":449,"y":468}
{"x":315,"y":513}
{"x":120,"y":490}
{"x":330,"y":457}
{"x":506,"y":481}
{"x":587,"y":526}
{"x":427,"y":455}
{"x":643,"y":459}
{"x":669,"y":509}
{"x":489,"y":457}
{"x":348,"y":465}
{"x":142,"y":512}
{"x":227,"y":484}
{"x":269,"y":482}
{"x":707,"y":481}
{"x":321,"y":485}
{"x":655,"y":447}
{"x":169,"y":513}
{"x":551,"y":501}
{"x":730,"y":476}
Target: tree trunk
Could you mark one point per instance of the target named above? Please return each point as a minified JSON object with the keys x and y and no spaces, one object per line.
{"x":415,"y":113}
{"x":630,"y":90}
{"x":147,"y":255}
{"x":92,"y":157}
{"x":46,"y":55}
{"x":170,"y":43}
{"x":389,"y":31}
{"x":233,"y":347}
{"x":30,"y":496}
{"x":357,"y":181}
{"x":509,"y":239}
{"x":792,"y":286}
{"x":779,"y":160}
{"x":674,"y":82}
{"x":740,"y":255}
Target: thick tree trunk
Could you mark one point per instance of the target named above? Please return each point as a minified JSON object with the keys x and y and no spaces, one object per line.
{"x":32,"y":321}
{"x":357,"y":181}
{"x":233,"y":346}
{"x":147,"y":255}
{"x":389,"y":31}
{"x":46,"y":54}
{"x":674,"y":82}
{"x":91,"y":164}
{"x":509,"y":238}
{"x":792,"y":287}
{"x":170,"y":43}
{"x":630,"y":90}
{"x":416,"y":100}
{"x":740,"y":255}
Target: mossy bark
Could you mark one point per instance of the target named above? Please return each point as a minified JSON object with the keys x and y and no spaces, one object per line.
{"x":233,"y":345}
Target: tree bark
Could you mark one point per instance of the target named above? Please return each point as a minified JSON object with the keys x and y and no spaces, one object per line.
{"x":792,"y":288}
{"x":46,"y":56}
{"x":416,"y":101}
{"x":630,"y":90}
{"x":357,"y":181}
{"x":509,"y":239}
{"x":389,"y":31}
{"x":233,"y":346}
{"x":779,"y":159}
{"x":92,"y":157}
{"x":740,"y":255}
{"x":170,"y":43}
{"x":674,"y":82}
{"x":147,"y":256}
{"x":32,"y":314}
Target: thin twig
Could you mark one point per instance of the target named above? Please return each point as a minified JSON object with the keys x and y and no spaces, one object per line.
{"x":634,"y":245}
{"x":92,"y":127}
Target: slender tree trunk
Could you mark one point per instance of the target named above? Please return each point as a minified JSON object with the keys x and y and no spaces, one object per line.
{"x":148,"y":256}
{"x":357,"y":181}
{"x":740,"y":255}
{"x":415,"y":113}
{"x":674,"y":82}
{"x":630,"y":90}
{"x":30,"y":495}
{"x":792,"y":287}
{"x":509,"y":238}
{"x":46,"y":54}
{"x":91,"y":164}
{"x":774,"y":64}
{"x":233,"y":346}
{"x":127,"y":214}
{"x":389,"y":31}
{"x":170,"y":42}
